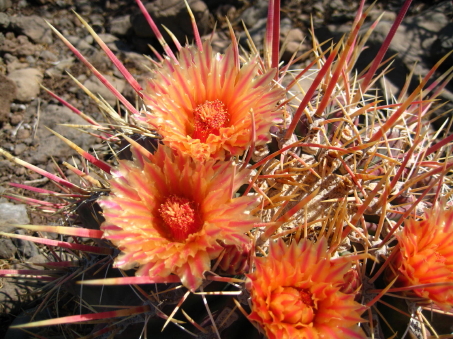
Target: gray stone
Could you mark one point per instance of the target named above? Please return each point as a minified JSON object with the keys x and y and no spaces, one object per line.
{"x":12,"y":214}
{"x":48,"y":56}
{"x":4,"y":5}
{"x":60,"y":67}
{"x":23,"y":133}
{"x":292,"y":41}
{"x":108,"y":38}
{"x":50,"y":145}
{"x":173,"y":14}
{"x":121,"y":25}
{"x":20,"y":46}
{"x":27,"y":248}
{"x":82,"y":44}
{"x":19,"y":149}
{"x":7,"y":248}
{"x":95,"y":86}
{"x":138,"y":62}
{"x":27,"y":81}
{"x":31,"y":60}
{"x":34,"y":27}
{"x":4,"y":20}
{"x":254,"y":13}
{"x":37,"y":259}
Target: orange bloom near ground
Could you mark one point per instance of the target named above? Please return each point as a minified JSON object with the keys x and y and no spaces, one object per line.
{"x":426,"y":256}
{"x":296,"y":293}
{"x":203,"y":105}
{"x":167,"y":213}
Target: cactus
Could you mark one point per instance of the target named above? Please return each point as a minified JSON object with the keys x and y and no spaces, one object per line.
{"x":248,"y":205}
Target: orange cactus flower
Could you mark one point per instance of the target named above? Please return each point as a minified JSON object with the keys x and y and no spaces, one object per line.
{"x":202,"y":106}
{"x":426,"y":256}
{"x":296,"y":293}
{"x":167,"y":213}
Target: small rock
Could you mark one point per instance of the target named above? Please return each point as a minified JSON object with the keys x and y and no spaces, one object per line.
{"x":31,"y":60}
{"x":27,"y":81}
{"x":9,"y":58}
{"x":19,"y":171}
{"x":6,"y":166}
{"x":12,"y":214}
{"x":138,"y":62}
{"x":173,"y":14}
{"x":254,"y":13}
{"x":20,"y":46}
{"x":84,"y":8}
{"x":4,"y":5}
{"x":219,"y":41}
{"x":8,"y":93}
{"x":18,"y":107}
{"x":22,"y":4}
{"x":97,"y":22}
{"x":37,"y":259}
{"x":16,"y":65}
{"x":8,"y":146}
{"x":108,"y":38}
{"x":19,"y":149}
{"x":23,"y":134}
{"x":120,"y":26}
{"x":48,"y":56}
{"x":25,"y":47}
{"x":293,"y":40}
{"x":52,"y":116}
{"x":64,"y":23}
{"x":7,"y":248}
{"x":60,"y":67}
{"x":15,"y":119}
{"x":50,"y":235}
{"x":4,"y":20}
{"x":27,"y":248}
{"x":34,"y":27}
{"x":83,"y":45}
{"x":95,"y":86}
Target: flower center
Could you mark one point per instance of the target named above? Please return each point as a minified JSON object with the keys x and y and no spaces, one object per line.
{"x":292,"y":305}
{"x":208,"y":119}
{"x":180,"y":217}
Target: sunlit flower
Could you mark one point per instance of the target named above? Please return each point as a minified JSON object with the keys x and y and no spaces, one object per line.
{"x":295,"y":293}
{"x":168,"y":212}
{"x":426,"y":256}
{"x":203,"y":106}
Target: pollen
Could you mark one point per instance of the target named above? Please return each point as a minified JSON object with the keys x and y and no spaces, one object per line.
{"x":180,"y":217}
{"x":209,"y":118}
{"x":306,"y":297}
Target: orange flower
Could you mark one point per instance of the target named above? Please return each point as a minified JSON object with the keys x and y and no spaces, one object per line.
{"x":167,"y":213}
{"x":426,"y":256}
{"x":295,"y":293}
{"x":203,"y":105}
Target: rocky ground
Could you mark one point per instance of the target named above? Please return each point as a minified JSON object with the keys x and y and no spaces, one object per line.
{"x":30,"y":55}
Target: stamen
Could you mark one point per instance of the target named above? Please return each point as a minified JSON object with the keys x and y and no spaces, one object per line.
{"x":180,"y":217}
{"x":306,"y":297}
{"x":209,"y":118}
